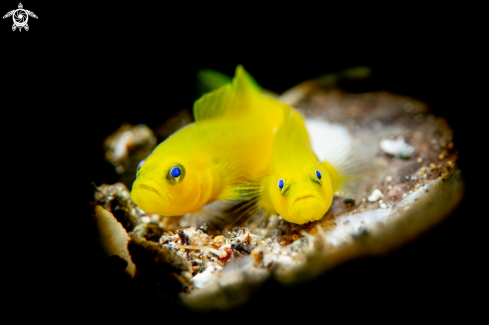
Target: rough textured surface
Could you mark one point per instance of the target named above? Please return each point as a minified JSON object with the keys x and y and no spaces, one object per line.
{"x":128,"y":141}
{"x":407,"y":195}
{"x":113,"y":238}
{"x":116,"y":199}
{"x":160,"y":268}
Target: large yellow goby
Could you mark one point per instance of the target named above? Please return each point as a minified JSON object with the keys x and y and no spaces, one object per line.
{"x":229,"y":142}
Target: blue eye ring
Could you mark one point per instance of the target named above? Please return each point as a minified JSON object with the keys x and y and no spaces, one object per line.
{"x":175,"y":174}
{"x":280,"y":183}
{"x":318,"y":174}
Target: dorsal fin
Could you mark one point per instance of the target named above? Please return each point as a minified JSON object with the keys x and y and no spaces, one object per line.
{"x":208,"y":80}
{"x":212,"y":104}
{"x":231,"y":99}
{"x":287,"y":123}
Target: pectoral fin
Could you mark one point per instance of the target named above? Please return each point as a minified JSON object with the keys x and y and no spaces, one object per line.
{"x":349,"y":168}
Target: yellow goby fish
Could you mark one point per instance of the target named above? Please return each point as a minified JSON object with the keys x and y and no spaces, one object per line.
{"x":299,"y":187}
{"x":228,"y":143}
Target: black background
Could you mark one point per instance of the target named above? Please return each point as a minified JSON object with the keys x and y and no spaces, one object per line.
{"x":82,"y":70}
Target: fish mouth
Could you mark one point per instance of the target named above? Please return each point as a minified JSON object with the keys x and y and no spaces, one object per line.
{"x":303,"y":197}
{"x":149,"y":188}
{"x":149,"y":196}
{"x":306,"y":208}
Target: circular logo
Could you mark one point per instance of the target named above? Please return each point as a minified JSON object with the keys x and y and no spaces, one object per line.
{"x":20,"y":17}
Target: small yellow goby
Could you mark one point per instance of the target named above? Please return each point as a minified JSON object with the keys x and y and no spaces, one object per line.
{"x":228,"y":143}
{"x":299,"y":187}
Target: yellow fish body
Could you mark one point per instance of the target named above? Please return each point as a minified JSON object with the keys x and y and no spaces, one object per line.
{"x":299,"y":187}
{"x":228,"y":143}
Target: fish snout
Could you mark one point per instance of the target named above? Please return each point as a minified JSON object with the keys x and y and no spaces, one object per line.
{"x":306,"y":207}
{"x":149,"y":196}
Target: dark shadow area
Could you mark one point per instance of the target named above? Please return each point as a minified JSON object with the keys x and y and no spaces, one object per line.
{"x":85,"y":80}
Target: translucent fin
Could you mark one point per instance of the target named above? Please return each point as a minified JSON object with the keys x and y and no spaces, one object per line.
{"x":251,"y":202}
{"x":212,"y":104}
{"x":209,"y":80}
{"x":244,"y":191}
{"x":240,"y":185}
{"x":350,"y":168}
{"x":210,"y":214}
{"x":231,"y":99}
{"x":230,"y":213}
{"x":248,"y":207}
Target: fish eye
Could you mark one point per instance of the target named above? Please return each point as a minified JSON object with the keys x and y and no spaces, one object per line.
{"x":175,"y":174}
{"x":281,"y":183}
{"x":318,"y":174}
{"x":140,"y":165}
{"x":283,"y":186}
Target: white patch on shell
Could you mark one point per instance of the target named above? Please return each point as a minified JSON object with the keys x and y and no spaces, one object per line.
{"x":376,"y":194}
{"x":205,"y":278}
{"x":323,"y":135}
{"x":357,"y":223}
{"x":353,"y":224}
{"x":397,"y":147}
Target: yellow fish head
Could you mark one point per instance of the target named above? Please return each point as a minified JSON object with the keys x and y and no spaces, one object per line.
{"x":302,"y":196}
{"x":169,"y":187}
